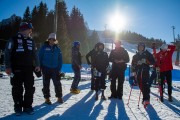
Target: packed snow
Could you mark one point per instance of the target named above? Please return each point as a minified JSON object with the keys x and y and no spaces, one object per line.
{"x":83,"y":106}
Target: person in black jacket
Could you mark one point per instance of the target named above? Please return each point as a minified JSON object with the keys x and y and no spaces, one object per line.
{"x":99,"y":70}
{"x":140,"y":66}
{"x":119,"y":57}
{"x":92,"y":55}
{"x":20,"y":57}
{"x":76,"y":66}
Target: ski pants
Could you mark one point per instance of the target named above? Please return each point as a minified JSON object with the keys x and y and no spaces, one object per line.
{"x":153,"y":77}
{"x":51,"y":73}
{"x":23,"y":80}
{"x":117,"y":74}
{"x":143,"y":81}
{"x":167,"y":75}
{"x":77,"y":77}
{"x":92,"y":80}
{"x":100,"y":82}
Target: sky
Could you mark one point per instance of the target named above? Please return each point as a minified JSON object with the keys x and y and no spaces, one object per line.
{"x":150,"y":18}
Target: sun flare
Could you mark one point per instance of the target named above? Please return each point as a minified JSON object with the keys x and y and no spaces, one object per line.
{"x":117,"y":22}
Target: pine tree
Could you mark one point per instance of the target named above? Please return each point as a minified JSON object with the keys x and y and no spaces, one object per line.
{"x":41,"y":22}
{"x":27,"y":15}
{"x":93,"y":39}
{"x":78,"y":30}
{"x":62,"y":32}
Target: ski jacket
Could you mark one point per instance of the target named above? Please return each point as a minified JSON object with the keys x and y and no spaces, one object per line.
{"x":21,"y":52}
{"x":137,"y":63}
{"x":50,"y":56}
{"x":119,"y":54}
{"x":164,"y":59}
{"x":76,"y":57}
{"x":101,"y":61}
{"x":91,"y":54}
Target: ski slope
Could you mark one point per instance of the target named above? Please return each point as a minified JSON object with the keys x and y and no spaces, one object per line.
{"x":84,"y":107}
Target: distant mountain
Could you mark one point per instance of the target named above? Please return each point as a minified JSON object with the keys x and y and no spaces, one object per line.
{"x":7,"y":21}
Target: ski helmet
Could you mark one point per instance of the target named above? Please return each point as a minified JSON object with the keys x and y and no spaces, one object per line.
{"x":99,"y":44}
{"x":76,"y":43}
{"x":164,"y":47}
{"x":141,"y":44}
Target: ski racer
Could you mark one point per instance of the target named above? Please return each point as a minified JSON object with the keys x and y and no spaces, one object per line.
{"x":140,"y":66}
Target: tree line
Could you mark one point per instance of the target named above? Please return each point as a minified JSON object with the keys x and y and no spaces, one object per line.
{"x":70,"y":27}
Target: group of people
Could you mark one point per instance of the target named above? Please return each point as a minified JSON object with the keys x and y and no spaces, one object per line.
{"x":22,"y":59}
{"x":99,"y":66}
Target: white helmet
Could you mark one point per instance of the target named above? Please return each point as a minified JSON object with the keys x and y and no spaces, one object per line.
{"x":164,"y":47}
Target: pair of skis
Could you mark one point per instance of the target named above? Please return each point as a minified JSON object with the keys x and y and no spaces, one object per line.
{"x":145,"y":103}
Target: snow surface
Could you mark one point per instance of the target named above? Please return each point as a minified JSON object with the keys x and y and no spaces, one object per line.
{"x":84,"y":107}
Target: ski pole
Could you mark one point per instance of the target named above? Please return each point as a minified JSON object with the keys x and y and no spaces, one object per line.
{"x":139,"y":97}
{"x":130,"y":94}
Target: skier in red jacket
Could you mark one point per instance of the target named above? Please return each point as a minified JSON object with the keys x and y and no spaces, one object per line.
{"x":164,"y":62}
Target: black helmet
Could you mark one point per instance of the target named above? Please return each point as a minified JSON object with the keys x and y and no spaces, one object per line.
{"x":99,"y":44}
{"x":141,"y":44}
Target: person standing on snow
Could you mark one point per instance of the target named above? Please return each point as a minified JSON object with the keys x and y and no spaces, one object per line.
{"x":101,"y":63}
{"x":153,"y":76}
{"x":92,"y":55}
{"x":76,"y":66}
{"x":119,"y":57}
{"x":50,"y":57}
{"x":140,"y":66}
{"x":20,"y":57}
{"x":164,"y":62}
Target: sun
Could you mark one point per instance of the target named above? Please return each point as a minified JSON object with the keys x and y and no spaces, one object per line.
{"x":117,"y":22}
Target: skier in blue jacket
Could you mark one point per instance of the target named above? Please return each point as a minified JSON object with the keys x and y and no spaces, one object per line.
{"x":51,"y":62}
{"x":76,"y":66}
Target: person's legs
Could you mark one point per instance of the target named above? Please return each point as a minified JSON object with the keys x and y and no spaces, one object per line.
{"x":77,"y":77}
{"x":46,"y":82}
{"x":29,"y":88}
{"x":92,"y":80}
{"x":113,"y":86}
{"x":17,"y":89}
{"x":57,"y":83}
{"x":162,"y":76}
{"x":169,"y":83}
{"x":120,"y":84}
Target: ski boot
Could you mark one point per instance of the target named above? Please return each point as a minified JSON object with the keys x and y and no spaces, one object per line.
{"x":60,"y":100}
{"x":145,"y":103}
{"x":29,"y":111}
{"x":170,"y":99}
{"x":103,"y":97}
{"x":48,"y":101}
{"x":74,"y":91}
{"x":18,"y":111}
{"x":96,"y":97}
{"x":161,"y":98}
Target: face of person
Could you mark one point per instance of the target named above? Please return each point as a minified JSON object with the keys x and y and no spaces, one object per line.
{"x":141,"y":48}
{"x":78,"y":46}
{"x":118,"y":45}
{"x":27,"y":33}
{"x":51,"y":41}
{"x":101,"y":47}
{"x":164,"y":50}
